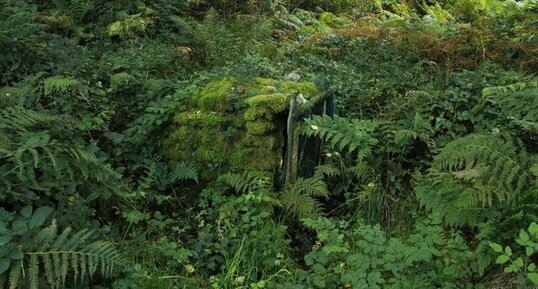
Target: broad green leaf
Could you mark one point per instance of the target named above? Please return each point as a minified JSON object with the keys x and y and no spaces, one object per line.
{"x":529,"y":251}
{"x":16,"y":254}
{"x":510,"y":269}
{"x":4,"y":264}
{"x":39,"y":216}
{"x":533,"y":277}
{"x":533,"y":228}
{"x":508,"y":251}
{"x":20,"y":227}
{"x":308,"y":260}
{"x":531,"y":267}
{"x":523,"y":237}
{"x":319,"y":269}
{"x":318,"y":281}
{"x":5,"y":239}
{"x":496,"y":247}
{"x":375,"y":278}
{"x":502,"y":259}
{"x":26,"y":211}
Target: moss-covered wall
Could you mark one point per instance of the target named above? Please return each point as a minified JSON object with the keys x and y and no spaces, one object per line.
{"x":231,"y":125}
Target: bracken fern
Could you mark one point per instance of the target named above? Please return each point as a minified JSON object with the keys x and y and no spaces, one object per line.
{"x":473,"y":174}
{"x":340,"y":133}
{"x":59,"y":257}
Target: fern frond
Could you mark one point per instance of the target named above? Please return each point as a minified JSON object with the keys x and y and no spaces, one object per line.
{"x":326,"y":170}
{"x":248,"y":181}
{"x":472,"y":175}
{"x":15,"y":275}
{"x":299,"y":199}
{"x":299,"y":206}
{"x":121,"y":79}
{"x":59,"y":84}
{"x":404,"y":136}
{"x":520,"y":86}
{"x":514,"y":104}
{"x":310,"y":187}
{"x":36,"y":153}
{"x":62,"y":255}
{"x":500,"y":163}
{"x":341,"y":133}
{"x":22,"y":119}
{"x":183,"y":171}
{"x":361,"y":171}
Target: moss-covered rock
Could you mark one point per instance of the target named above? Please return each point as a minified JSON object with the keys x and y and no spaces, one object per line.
{"x":259,"y":152}
{"x":216,"y":96}
{"x":260,"y":127}
{"x":265,"y":106}
{"x":197,"y":138}
{"x":234,"y":125}
{"x":307,"y":89}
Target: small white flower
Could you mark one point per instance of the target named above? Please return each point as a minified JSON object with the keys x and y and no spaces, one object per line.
{"x":314,"y":127}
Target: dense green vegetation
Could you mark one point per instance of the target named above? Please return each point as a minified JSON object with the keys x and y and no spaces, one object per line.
{"x":286,"y":144}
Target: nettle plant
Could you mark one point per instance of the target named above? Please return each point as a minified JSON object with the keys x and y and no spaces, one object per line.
{"x":521,"y":264}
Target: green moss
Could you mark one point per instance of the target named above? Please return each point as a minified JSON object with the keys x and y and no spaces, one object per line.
{"x":264,"y":142}
{"x":258,"y":152}
{"x":308,"y":89}
{"x":269,"y":89}
{"x":331,"y":20}
{"x":214,"y":96}
{"x":265,"y":81}
{"x":308,"y":30}
{"x":198,"y":118}
{"x":259,"y":127}
{"x":261,"y":86}
{"x":209,"y":133}
{"x":197,"y":137}
{"x":265,"y":106}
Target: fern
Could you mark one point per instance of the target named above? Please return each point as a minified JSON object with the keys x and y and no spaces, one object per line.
{"x":121,"y":79}
{"x":340,"y":133}
{"x":487,"y":160}
{"x":514,"y":104}
{"x":497,"y":90}
{"x":59,"y":84}
{"x":248,"y":181}
{"x":20,"y":119}
{"x":128,"y":26}
{"x":157,"y":174}
{"x":57,"y":257}
{"x":472,"y":174}
{"x":36,"y":157}
{"x":299,"y":199}
{"x":183,"y":171}
{"x":326,"y":170}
